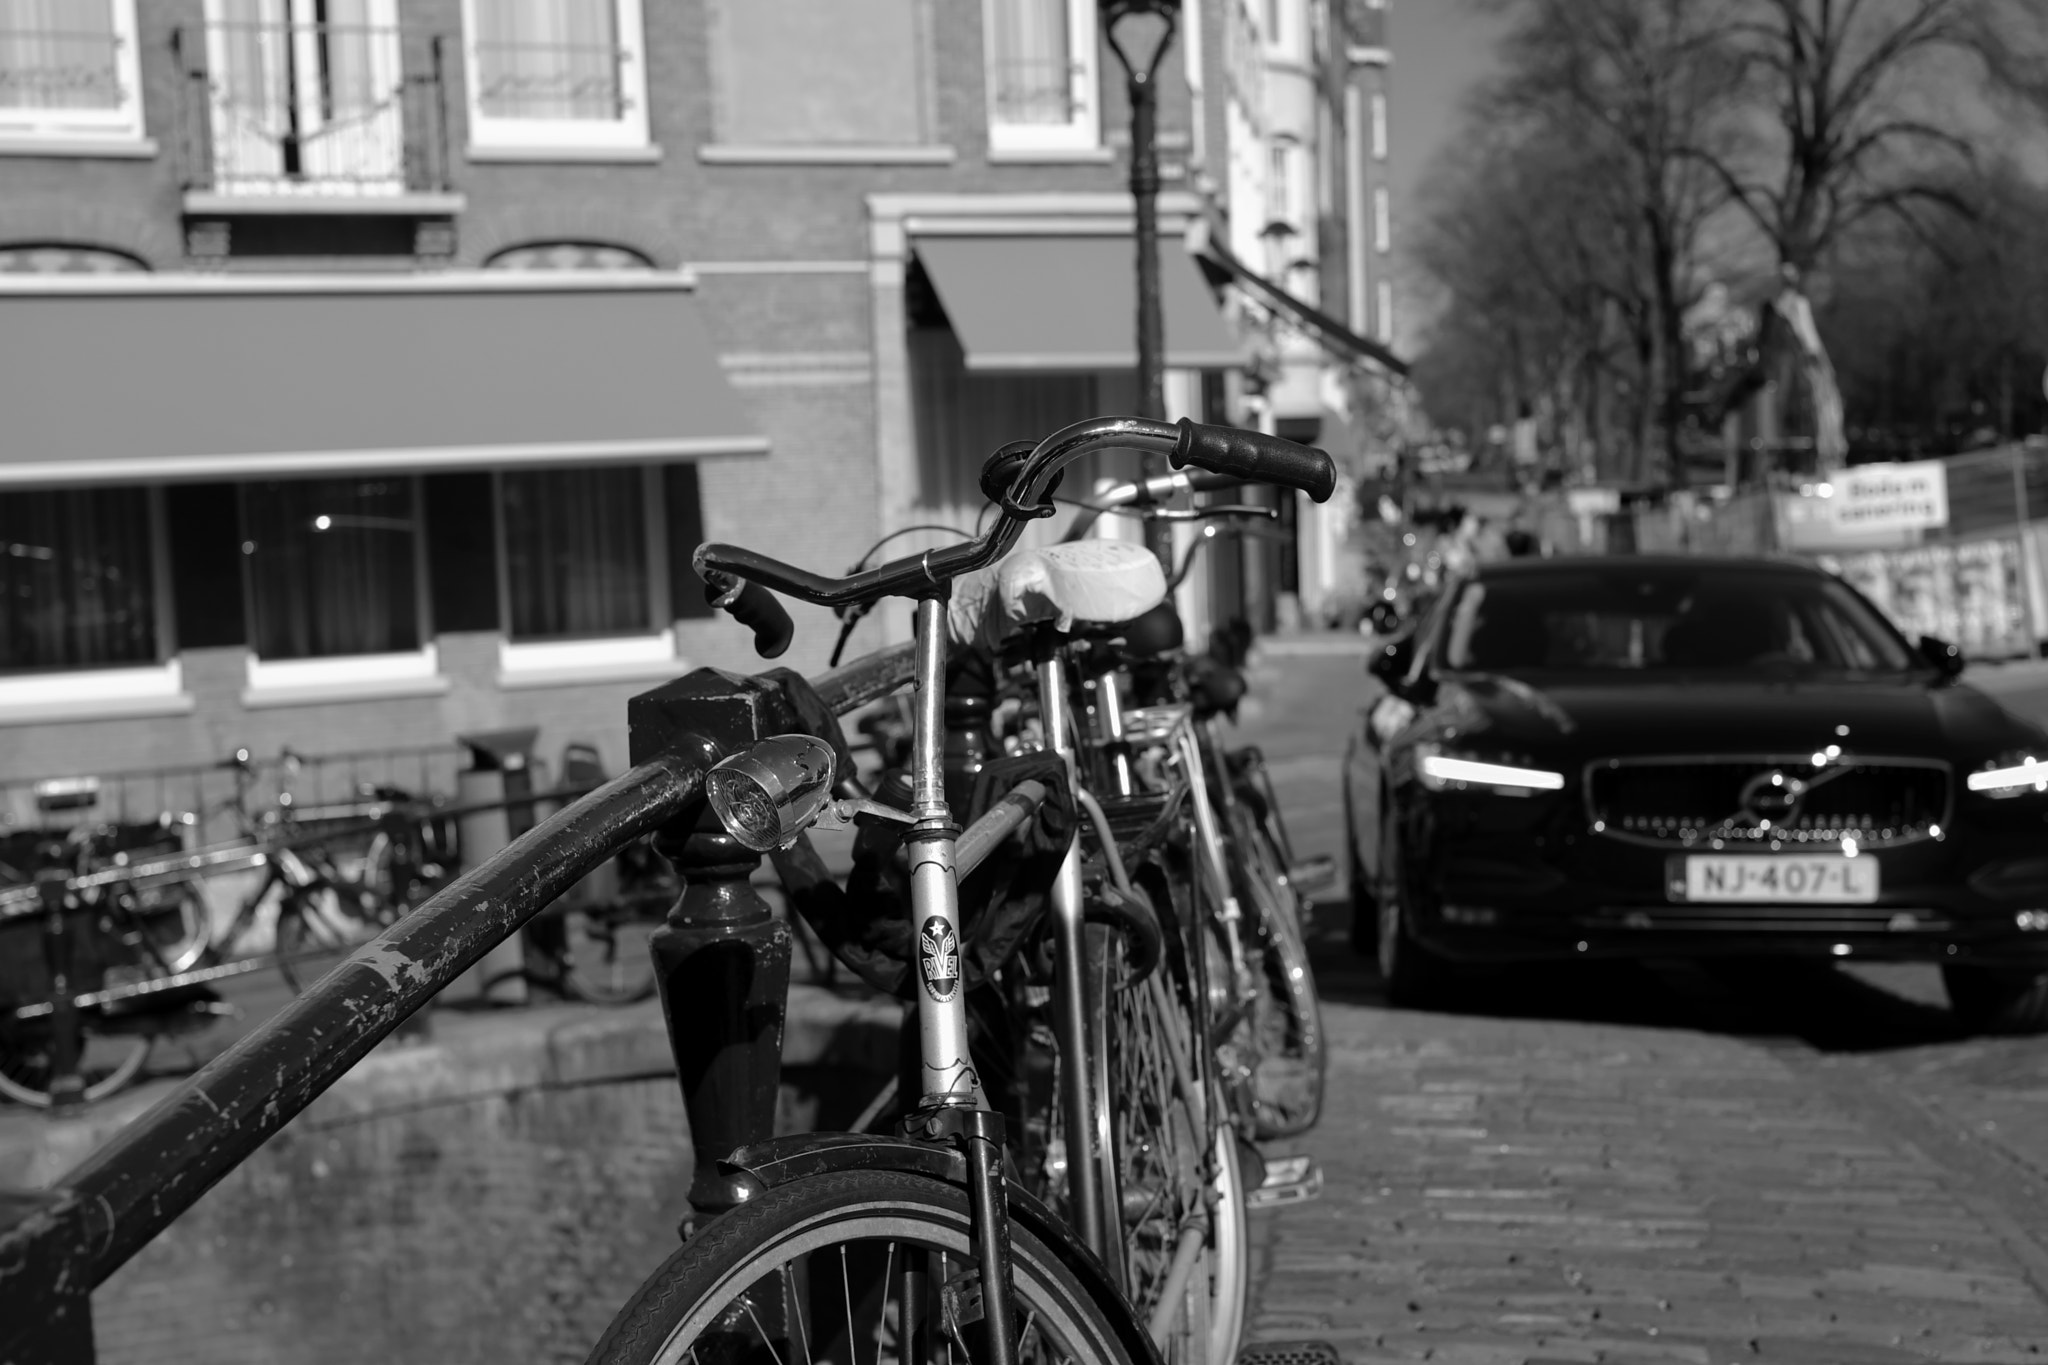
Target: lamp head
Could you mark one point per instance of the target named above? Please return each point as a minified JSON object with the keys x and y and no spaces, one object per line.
{"x":773,"y":792}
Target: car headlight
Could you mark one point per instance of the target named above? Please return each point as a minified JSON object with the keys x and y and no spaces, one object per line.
{"x":1440,"y":770}
{"x":2008,"y":775}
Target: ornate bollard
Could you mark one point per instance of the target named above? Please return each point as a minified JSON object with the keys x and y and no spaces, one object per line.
{"x":721,"y":960}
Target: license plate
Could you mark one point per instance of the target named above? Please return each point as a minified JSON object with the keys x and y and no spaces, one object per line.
{"x":1797,"y":878}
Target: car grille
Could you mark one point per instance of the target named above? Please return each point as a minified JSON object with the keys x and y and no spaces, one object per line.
{"x":1688,"y":802}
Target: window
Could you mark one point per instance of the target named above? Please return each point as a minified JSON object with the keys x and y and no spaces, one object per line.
{"x":1042,"y":77}
{"x":814,"y":73}
{"x":332,"y":567}
{"x":77,"y":587}
{"x":308,"y":97}
{"x":1379,"y":127}
{"x":555,"y":73}
{"x":1383,"y":318}
{"x":68,"y":70}
{"x":579,"y":553}
{"x":1382,"y":220}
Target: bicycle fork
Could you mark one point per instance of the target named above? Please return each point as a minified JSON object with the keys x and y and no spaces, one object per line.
{"x":948,"y":1107}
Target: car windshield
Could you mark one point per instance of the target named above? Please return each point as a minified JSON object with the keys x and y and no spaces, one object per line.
{"x":1662,"y":619}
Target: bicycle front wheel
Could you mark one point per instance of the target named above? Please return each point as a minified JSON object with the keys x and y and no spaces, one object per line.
{"x":820,"y":1270}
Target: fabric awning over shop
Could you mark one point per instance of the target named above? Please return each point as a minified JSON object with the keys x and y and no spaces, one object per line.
{"x":1070,"y":303}
{"x":176,"y":378}
{"x":1335,"y":336}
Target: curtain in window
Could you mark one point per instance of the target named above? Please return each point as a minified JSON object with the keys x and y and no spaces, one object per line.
{"x":58,"y":54}
{"x":76,"y":589}
{"x":548,"y":59}
{"x":576,"y":552}
{"x":331,"y":565}
{"x":1031,"y":61}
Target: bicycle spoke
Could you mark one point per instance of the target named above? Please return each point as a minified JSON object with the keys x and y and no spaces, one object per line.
{"x":766,"y":1340}
{"x":794,"y":1305}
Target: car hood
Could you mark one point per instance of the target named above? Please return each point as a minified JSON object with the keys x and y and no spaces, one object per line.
{"x":1596,"y":719}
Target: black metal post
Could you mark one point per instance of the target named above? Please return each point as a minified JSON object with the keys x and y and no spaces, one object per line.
{"x":67,"y":1039}
{"x":722,"y":960}
{"x":722,"y":963}
{"x":1141,"y":87}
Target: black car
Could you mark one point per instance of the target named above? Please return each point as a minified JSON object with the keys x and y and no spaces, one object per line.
{"x":1677,"y":757}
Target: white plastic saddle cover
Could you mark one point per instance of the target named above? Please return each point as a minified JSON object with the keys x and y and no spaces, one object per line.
{"x":1093,"y":581}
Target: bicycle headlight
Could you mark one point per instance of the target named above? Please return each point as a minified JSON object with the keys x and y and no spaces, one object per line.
{"x":773,"y":792}
{"x":1440,"y":770}
{"x":2010,"y":774}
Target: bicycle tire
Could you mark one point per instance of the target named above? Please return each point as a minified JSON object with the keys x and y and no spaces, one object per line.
{"x":1290,"y":1067}
{"x":25,"y":1062}
{"x":698,"y":1304}
{"x":605,"y":957}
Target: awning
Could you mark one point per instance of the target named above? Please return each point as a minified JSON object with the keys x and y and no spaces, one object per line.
{"x":1070,"y":303}
{"x":139,"y":378}
{"x":1345,"y":342}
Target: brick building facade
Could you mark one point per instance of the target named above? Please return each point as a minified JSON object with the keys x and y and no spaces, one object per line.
{"x":373,"y":366}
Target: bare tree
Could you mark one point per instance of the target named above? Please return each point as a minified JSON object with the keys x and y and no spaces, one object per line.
{"x":1852,"y":111}
{"x":1641,"y":86}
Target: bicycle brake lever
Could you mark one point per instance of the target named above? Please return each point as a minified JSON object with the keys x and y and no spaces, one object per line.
{"x":1202,"y":513}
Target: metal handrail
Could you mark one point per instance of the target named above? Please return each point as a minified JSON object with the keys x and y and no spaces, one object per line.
{"x":157,"y":1167}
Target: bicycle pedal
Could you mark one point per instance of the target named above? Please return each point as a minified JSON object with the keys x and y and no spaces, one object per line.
{"x":1289,"y":1353}
{"x":1289,"y":1180}
{"x":1313,"y":874}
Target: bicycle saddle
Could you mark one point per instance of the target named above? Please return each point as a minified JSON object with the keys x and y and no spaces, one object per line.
{"x":1081,"y":584}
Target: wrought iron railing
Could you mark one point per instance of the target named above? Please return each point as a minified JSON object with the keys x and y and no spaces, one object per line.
{"x":316,"y":109}
{"x":43,"y":68}
{"x":550,"y":81}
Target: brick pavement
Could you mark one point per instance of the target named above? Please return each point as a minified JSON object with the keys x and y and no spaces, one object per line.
{"x":1644,"y":1166}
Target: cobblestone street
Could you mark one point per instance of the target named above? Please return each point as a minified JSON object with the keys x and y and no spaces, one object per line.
{"x":1647,"y":1164}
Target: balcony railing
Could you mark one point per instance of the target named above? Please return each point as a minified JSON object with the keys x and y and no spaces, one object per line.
{"x":48,"y":69}
{"x":583,"y":81}
{"x":313,"y":110}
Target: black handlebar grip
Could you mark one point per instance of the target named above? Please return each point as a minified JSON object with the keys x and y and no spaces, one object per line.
{"x":752,"y":606}
{"x":1256,"y":458}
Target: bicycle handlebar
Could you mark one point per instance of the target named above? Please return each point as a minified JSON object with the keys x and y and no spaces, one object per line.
{"x":1241,"y":455}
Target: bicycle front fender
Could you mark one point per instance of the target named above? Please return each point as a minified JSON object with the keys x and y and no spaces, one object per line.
{"x":764,"y":1166}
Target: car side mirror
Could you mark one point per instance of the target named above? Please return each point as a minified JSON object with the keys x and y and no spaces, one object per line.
{"x":1391,"y":661}
{"x":1946,"y":658}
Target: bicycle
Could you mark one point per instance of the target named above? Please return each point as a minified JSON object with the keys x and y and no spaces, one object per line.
{"x":1267,"y":1025}
{"x":985,"y":1267}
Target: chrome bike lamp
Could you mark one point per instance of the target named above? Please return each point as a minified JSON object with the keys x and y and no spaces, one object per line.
{"x":773,"y":792}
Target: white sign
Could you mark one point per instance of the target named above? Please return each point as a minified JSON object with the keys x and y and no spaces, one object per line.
{"x":1890,"y":497}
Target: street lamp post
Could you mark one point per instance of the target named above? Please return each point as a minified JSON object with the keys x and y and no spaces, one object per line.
{"x":1125,"y":22}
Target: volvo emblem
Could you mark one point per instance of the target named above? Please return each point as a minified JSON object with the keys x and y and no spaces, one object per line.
{"x":1772,"y":798}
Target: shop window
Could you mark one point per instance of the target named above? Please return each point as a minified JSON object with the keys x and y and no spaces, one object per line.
{"x":68,"y":70}
{"x":579,"y":553}
{"x":556,"y":73}
{"x":818,"y":72}
{"x":1042,"y":75}
{"x":332,"y":567}
{"x":77,"y":586}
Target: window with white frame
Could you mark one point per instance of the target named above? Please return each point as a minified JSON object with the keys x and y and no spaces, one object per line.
{"x":68,"y":70}
{"x":1382,"y":220}
{"x":1384,"y":321}
{"x":1379,"y":127}
{"x":77,"y":581}
{"x":1043,"y":76}
{"x":555,"y":73}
